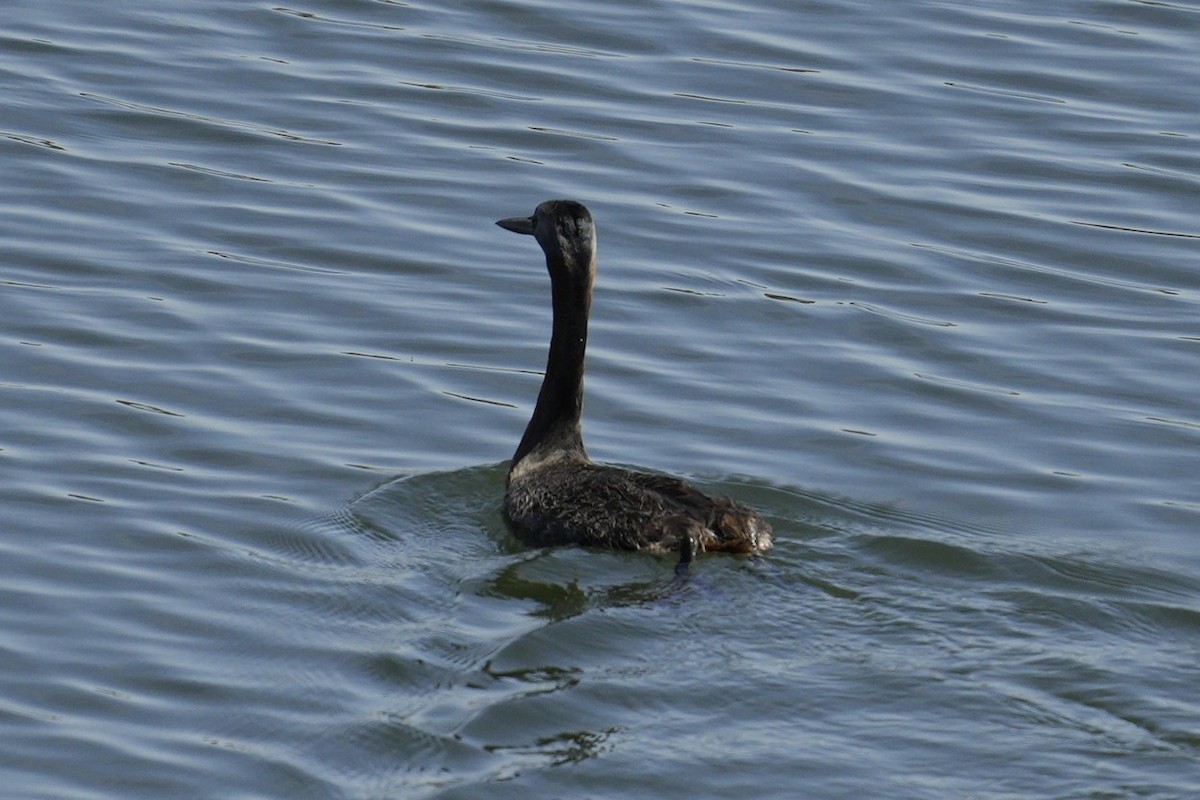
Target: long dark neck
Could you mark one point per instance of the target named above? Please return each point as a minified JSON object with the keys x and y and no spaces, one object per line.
{"x":554,"y":429}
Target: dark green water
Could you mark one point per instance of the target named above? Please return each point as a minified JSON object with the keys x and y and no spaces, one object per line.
{"x":919,"y":281}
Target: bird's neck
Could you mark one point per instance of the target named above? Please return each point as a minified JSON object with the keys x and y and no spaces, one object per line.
{"x":554,"y":431}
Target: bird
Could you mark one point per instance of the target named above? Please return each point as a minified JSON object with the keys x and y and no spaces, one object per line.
{"x":554,"y":493}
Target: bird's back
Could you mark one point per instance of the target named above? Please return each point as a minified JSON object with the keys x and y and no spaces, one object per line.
{"x":589,"y":504}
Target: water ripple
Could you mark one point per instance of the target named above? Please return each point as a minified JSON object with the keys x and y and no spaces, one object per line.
{"x":920,"y":286}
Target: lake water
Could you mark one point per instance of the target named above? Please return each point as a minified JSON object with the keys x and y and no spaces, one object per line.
{"x":921,"y":281}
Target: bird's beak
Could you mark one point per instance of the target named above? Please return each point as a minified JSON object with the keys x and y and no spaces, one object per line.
{"x":517,"y":224}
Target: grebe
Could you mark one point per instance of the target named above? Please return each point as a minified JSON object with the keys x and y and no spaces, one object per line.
{"x":554,"y":493}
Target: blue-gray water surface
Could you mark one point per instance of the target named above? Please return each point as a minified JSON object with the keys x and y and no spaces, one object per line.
{"x":920,"y":281}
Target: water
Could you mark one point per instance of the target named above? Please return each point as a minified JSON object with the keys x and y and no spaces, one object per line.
{"x":919,"y":281}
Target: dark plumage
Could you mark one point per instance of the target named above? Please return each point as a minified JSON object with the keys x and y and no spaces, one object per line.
{"x":555,"y":494}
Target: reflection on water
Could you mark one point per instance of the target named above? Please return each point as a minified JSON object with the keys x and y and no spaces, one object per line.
{"x":565,"y":748}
